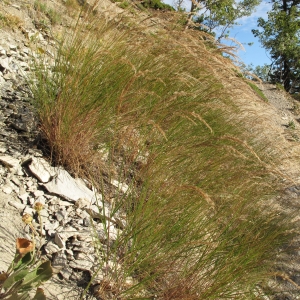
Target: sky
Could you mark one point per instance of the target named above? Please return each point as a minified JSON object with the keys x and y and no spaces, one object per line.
{"x":254,"y":54}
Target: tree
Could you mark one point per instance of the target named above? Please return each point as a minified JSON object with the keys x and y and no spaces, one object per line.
{"x":262,"y":72}
{"x":221,"y":14}
{"x":281,"y":36}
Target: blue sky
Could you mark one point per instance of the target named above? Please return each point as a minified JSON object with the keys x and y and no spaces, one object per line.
{"x":254,"y":54}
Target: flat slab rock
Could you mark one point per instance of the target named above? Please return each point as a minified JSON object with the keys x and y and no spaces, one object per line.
{"x":41,"y":169}
{"x":64,"y":185}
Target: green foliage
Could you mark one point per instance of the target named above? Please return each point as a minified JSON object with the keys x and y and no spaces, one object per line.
{"x":296,"y":96}
{"x":279,"y":86}
{"x":123,"y":4}
{"x":257,"y":91}
{"x":291,"y":125}
{"x":280,"y":35}
{"x":156,"y":4}
{"x":222,"y":15}
{"x":24,"y":274}
{"x":182,"y":20}
{"x":262,"y":72}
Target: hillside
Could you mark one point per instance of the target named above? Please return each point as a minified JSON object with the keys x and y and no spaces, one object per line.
{"x":162,"y":173}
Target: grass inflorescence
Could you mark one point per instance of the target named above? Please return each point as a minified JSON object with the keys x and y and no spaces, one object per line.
{"x":150,"y":111}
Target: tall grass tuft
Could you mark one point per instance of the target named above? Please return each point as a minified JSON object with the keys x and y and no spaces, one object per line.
{"x":195,"y":226}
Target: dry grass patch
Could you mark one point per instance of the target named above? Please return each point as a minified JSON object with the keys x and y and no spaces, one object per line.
{"x":9,"y":21}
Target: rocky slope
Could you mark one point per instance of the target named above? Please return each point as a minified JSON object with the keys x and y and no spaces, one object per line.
{"x":26,"y":177}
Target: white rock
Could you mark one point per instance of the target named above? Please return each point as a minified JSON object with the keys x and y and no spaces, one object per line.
{"x":41,"y":169}
{"x":64,"y":203}
{"x":62,"y":234}
{"x":40,"y":199}
{"x":59,"y":241}
{"x":16,"y":181}
{"x":18,"y":171}
{"x":51,"y":233}
{"x":113,"y":232}
{"x":9,"y":161}
{"x":2,"y":52}
{"x":16,"y":204}
{"x":61,"y":215}
{"x":29,"y":210}
{"x":24,"y":66}
{"x":24,"y":197}
{"x":129,"y":281}
{"x":3,"y":148}
{"x":98,"y":278}
{"x":85,"y":257}
{"x":29,"y":183}
{"x":69,"y":252}
{"x":85,"y":235}
{"x":67,"y":187}
{"x":123,"y":187}
{"x":82,"y":213}
{"x":82,"y":202}
{"x":51,"y":248}
{"x":85,"y":250}
{"x":13,"y":47}
{"x":7,"y":189}
{"x":4,"y":62}
{"x":66,"y":273}
{"x":38,"y":193}
{"x":16,"y":6}
{"x":94,"y":211}
{"x":60,"y":261}
{"x":51,"y":226}
{"x":25,"y":51}
{"x":81,"y":264}
{"x":44,"y":213}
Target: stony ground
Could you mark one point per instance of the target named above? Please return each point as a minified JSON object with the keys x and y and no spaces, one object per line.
{"x":25,"y":177}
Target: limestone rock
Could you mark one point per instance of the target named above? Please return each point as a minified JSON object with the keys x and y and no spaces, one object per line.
{"x":81,"y":264}
{"x":17,"y":205}
{"x":63,"y":234}
{"x":66,"y":273}
{"x":40,"y":169}
{"x":9,"y":161}
{"x":123,"y":187}
{"x":59,"y":241}
{"x":51,"y":226}
{"x":51,"y":248}
{"x":69,"y":188}
{"x":60,"y":261}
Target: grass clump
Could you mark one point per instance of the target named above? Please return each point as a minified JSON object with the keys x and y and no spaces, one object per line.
{"x":156,"y":4}
{"x":10,"y":21}
{"x":123,"y":4}
{"x":257,"y":91}
{"x":195,"y":224}
{"x":53,"y":16}
{"x":279,"y":86}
